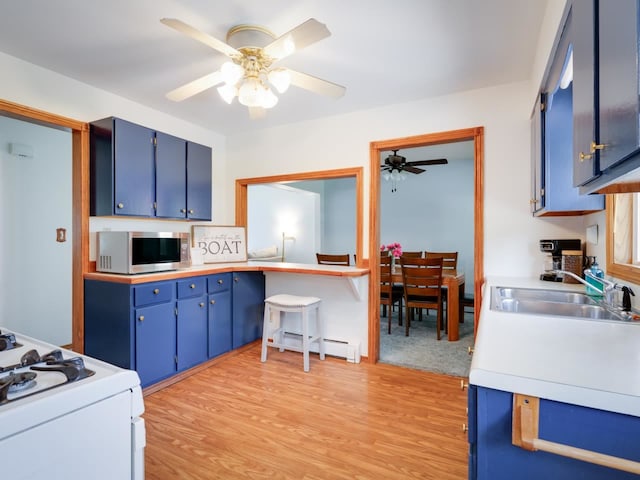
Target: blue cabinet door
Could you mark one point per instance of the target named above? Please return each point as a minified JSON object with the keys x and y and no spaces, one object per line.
{"x":586,"y":428}
{"x":192,"y":332}
{"x":171,"y":176}
{"x":133,"y":157}
{"x":155,"y":342}
{"x":198,"y":182}
{"x":219,"y":323}
{"x":618,"y":80}
{"x":248,"y":307}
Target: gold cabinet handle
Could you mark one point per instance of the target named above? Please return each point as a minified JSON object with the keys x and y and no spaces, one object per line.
{"x":597,"y":146}
{"x":470,"y":350}
{"x":463,"y":385}
{"x":192,"y":286}
{"x":585,"y":156}
{"x":465,"y":428}
{"x":212,"y":302}
{"x":201,"y":304}
{"x":236,"y":279}
{"x":183,"y":210}
{"x":120,"y":205}
{"x":141,"y":318}
{"x":191,"y":211}
{"x":156,"y":291}
{"x":533,"y":201}
{"x":220,"y":282}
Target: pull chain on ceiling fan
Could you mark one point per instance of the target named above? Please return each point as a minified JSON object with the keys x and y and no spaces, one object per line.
{"x":395,"y":166}
{"x":248,"y":74}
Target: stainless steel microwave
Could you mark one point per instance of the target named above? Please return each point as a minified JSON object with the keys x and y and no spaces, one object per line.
{"x":141,"y":252}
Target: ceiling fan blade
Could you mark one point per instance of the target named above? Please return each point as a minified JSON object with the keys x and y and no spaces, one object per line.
{"x":411,"y":169}
{"x":200,"y":36}
{"x":296,"y":39}
{"x":256,"y":113}
{"x":435,"y":161}
{"x":316,"y":85}
{"x":197,"y":86}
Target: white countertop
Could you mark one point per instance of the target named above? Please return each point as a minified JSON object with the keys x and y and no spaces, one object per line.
{"x":584,"y":362}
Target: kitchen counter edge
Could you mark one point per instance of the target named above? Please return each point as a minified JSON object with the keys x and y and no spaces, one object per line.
{"x":211,"y":269}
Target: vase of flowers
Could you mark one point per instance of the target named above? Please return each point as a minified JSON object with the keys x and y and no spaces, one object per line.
{"x":394,"y":250}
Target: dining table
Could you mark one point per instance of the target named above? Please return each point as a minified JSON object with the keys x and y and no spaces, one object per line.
{"x":453,"y":281}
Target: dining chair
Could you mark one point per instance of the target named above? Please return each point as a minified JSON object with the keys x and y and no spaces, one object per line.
{"x":422,"y":282}
{"x":412,"y":254}
{"x":390,"y":293}
{"x":327,"y":259}
{"x":449,"y":265}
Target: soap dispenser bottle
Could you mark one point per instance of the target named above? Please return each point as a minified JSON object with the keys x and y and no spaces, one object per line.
{"x":596,"y":271}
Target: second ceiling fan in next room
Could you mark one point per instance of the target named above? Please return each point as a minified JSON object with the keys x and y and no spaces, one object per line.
{"x":395,"y":166}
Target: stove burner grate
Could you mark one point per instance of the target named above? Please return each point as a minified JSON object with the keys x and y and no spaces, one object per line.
{"x":21,"y":381}
{"x":8,"y":342}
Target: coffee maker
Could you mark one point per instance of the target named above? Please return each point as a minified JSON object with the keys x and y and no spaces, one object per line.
{"x":553,"y":261}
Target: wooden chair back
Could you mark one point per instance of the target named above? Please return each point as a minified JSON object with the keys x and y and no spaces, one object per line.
{"x":449,"y":260}
{"x":422,"y":282}
{"x":412,"y":254}
{"x":327,"y":259}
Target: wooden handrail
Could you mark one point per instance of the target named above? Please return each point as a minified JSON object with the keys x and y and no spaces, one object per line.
{"x":526,"y":415}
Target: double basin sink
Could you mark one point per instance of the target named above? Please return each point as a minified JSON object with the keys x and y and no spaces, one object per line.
{"x":553,"y":302}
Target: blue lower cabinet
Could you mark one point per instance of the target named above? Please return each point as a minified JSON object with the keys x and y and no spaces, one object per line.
{"x":192,"y":332}
{"x":248,"y":307}
{"x":219,"y":323}
{"x":155,"y":342}
{"x":495,"y":458}
{"x":161,"y":328}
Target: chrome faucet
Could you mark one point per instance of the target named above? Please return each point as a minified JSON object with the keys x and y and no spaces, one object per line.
{"x":608,"y":290}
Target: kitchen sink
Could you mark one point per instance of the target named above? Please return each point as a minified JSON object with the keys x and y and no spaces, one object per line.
{"x":545,"y":295}
{"x":552,"y":302}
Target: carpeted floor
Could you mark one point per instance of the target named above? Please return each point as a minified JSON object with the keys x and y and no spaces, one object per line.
{"x":421,"y":350}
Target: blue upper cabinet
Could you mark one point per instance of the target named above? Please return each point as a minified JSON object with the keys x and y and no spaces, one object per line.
{"x":198,"y":182}
{"x":140,"y":172}
{"x":608,"y":140}
{"x":171,"y":174}
{"x":554,"y":193}
{"x":584,"y":122}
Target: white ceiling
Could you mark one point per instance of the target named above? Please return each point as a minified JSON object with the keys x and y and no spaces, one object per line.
{"x":382,"y":51}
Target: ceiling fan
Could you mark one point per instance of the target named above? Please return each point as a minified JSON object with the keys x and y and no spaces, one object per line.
{"x":399,"y":163}
{"x":253,"y":50}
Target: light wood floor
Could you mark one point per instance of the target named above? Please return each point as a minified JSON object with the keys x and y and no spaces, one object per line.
{"x":241,"y":418}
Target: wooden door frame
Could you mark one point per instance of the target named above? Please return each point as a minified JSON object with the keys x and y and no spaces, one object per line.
{"x":80,"y":202}
{"x":375,"y":149}
{"x":242,"y":186}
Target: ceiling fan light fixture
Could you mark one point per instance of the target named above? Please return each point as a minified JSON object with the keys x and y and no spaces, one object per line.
{"x":280,"y":79}
{"x":231,"y":72}
{"x":228,"y":92}
{"x":268,"y":98}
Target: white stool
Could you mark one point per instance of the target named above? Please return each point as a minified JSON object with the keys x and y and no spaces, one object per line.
{"x":275,"y":338}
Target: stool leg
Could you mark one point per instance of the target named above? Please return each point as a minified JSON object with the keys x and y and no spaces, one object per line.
{"x":320,"y":332}
{"x":265,"y":332}
{"x":305,"y":339}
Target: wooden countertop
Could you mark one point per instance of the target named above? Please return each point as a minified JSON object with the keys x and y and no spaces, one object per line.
{"x":251,"y":266}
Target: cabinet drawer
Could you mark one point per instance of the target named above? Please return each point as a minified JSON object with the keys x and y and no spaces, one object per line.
{"x":151,"y":293}
{"x":191,"y":287}
{"x":219,"y":282}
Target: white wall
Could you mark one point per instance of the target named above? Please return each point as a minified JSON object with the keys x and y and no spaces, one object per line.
{"x":511,"y":234}
{"x":35,"y":269}
{"x":43,"y":89}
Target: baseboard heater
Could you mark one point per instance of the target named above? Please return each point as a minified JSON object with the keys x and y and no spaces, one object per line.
{"x":350,"y":350}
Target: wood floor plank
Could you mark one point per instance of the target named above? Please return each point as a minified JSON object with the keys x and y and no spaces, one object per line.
{"x":241,"y":418}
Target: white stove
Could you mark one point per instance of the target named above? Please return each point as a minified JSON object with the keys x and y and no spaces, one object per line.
{"x":82,"y":415}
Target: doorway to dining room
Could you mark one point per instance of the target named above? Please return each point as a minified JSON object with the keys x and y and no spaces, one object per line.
{"x":436,"y":210}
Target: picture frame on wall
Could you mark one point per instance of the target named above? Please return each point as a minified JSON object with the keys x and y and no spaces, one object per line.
{"x":219,"y":244}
